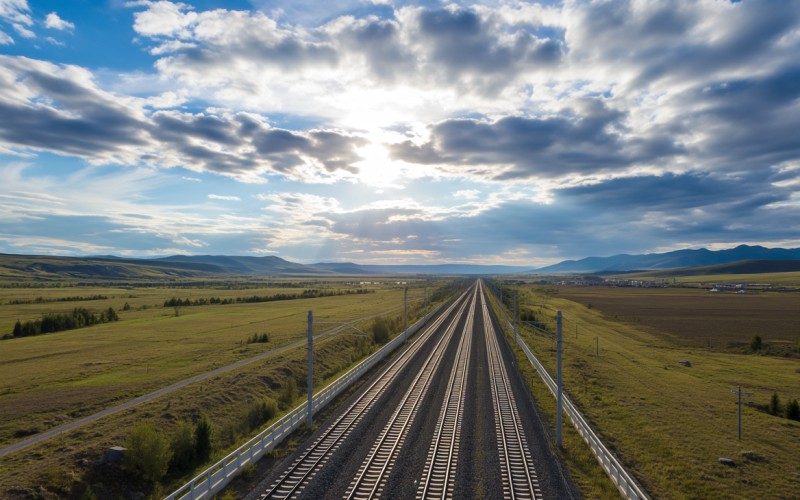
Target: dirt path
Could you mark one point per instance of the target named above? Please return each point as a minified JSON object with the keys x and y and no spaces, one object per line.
{"x":55,"y":431}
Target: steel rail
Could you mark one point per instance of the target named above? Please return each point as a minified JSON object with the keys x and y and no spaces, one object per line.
{"x":438,"y":477}
{"x":308,"y":464}
{"x":519,"y":477}
{"x":375,"y":469}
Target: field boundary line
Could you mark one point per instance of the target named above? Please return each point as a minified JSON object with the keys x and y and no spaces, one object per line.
{"x":61,"y":429}
{"x":216,"y":477}
{"x":622,"y":479}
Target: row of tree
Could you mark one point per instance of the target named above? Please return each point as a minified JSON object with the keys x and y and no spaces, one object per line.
{"x":56,"y":322}
{"x":42,"y":300}
{"x":306,"y":294}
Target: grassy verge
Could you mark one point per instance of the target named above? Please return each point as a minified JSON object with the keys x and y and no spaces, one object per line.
{"x":670,"y":423}
{"x":583,"y":468}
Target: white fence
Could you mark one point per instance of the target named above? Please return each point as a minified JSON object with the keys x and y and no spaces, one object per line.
{"x":216,"y":477}
{"x":625,"y":483}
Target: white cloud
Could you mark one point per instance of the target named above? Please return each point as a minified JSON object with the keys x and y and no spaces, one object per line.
{"x":5,"y":39}
{"x":224,"y":198}
{"x":53,"y":21}
{"x":23,"y":31}
{"x":16,"y":11}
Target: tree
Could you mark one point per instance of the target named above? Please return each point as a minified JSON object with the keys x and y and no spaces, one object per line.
{"x":17,"y":329}
{"x":775,"y":404}
{"x":755,"y":343}
{"x":793,"y":410}
{"x":202,"y":440}
{"x":148,"y":452}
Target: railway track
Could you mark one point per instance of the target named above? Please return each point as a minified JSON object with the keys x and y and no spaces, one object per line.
{"x":377,"y":467}
{"x":302,"y":471}
{"x":438,"y":477}
{"x":517,"y":472}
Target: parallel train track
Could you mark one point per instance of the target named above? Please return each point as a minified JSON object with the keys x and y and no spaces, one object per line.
{"x":303,"y":470}
{"x":377,"y":467}
{"x":519,"y":477}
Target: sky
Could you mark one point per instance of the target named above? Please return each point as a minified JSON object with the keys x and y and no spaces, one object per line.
{"x":380,"y":131}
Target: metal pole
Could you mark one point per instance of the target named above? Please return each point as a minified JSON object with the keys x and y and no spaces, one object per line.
{"x":560,"y":383}
{"x":516,"y":341}
{"x":405,"y":308}
{"x":739,"y":391}
{"x":310,"y":367}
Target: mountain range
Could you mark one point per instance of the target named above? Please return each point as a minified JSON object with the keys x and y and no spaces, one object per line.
{"x":46,"y":268}
{"x":669,"y":260}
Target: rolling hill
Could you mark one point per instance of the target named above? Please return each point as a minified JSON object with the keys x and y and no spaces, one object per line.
{"x":670,"y":260}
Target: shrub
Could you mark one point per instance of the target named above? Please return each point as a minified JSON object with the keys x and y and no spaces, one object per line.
{"x":148,"y":452}
{"x":202,"y":440}
{"x":755,"y":343}
{"x":288,"y":391}
{"x":183,"y":448}
{"x":380,"y":330}
{"x":260,"y":412}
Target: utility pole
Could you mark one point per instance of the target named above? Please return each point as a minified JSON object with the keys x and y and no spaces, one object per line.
{"x":310,"y":367}
{"x":739,"y":393}
{"x":560,"y":383}
{"x":516,"y":340}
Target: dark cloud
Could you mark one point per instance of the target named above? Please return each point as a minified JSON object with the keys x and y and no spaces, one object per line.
{"x":462,"y":46}
{"x":584,"y":142}
{"x":84,"y":122}
{"x":677,"y":40}
{"x":68,"y":115}
{"x":748,"y":123}
{"x":380,"y":42}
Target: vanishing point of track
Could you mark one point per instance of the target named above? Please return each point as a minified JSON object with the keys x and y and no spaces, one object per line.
{"x":302,"y":471}
{"x":519,"y":477}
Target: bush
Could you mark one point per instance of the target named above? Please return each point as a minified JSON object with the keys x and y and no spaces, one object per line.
{"x":202,"y":440}
{"x":260,"y":412}
{"x":183,"y":447}
{"x":288,"y":391}
{"x":380,"y":330}
{"x":755,"y":343}
{"x":793,"y":410}
{"x":148,"y":452}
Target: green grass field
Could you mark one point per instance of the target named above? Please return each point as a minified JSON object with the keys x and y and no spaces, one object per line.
{"x":51,"y":379}
{"x":667,"y":422}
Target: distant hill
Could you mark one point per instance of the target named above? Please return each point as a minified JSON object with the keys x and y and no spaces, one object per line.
{"x":459,"y":269}
{"x":51,"y":268}
{"x":669,"y":260}
{"x":739,"y":267}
